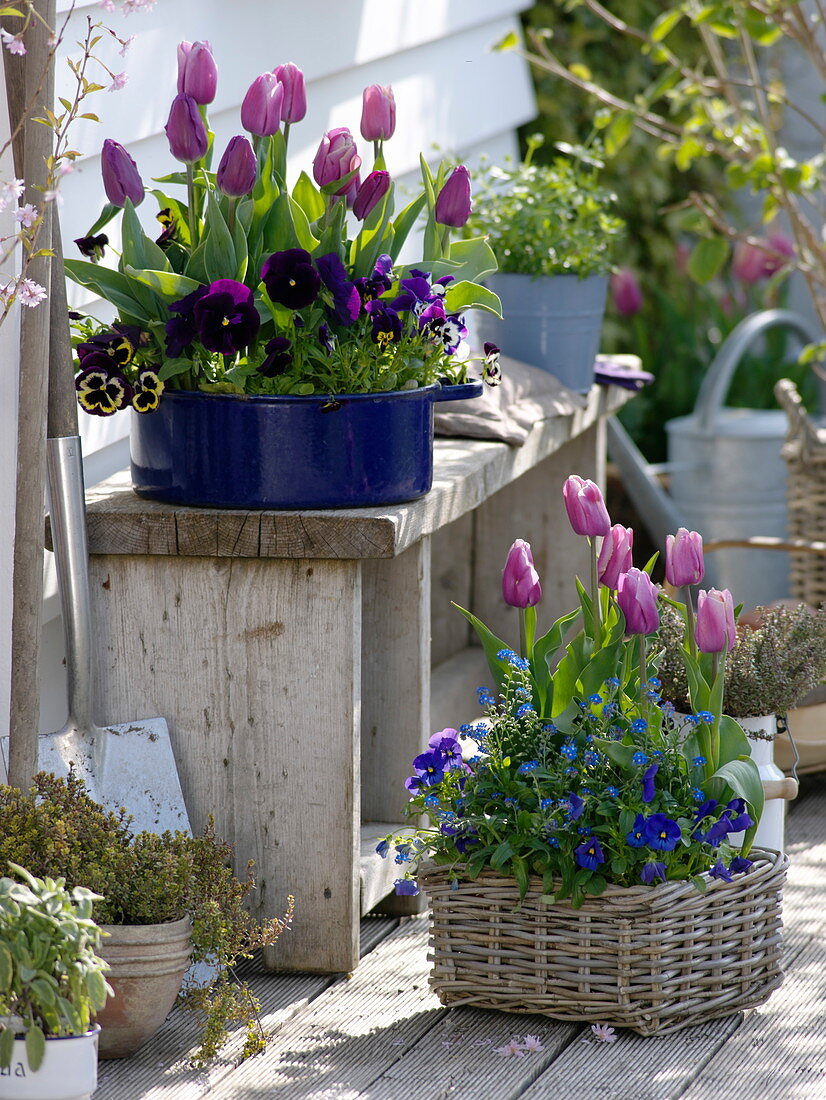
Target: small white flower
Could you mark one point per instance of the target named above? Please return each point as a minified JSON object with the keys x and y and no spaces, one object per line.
{"x":513,"y":1049}
{"x":118,"y":81}
{"x":107,"y":5}
{"x":13,"y":190}
{"x":30,"y":293}
{"x":532,"y":1043}
{"x":604,"y":1033}
{"x":53,"y":196}
{"x":13,"y":42}
{"x":26,"y":215}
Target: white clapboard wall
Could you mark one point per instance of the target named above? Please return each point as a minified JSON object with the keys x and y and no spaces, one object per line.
{"x":453,"y":95}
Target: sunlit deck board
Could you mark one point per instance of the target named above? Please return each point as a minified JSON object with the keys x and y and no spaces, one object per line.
{"x":381,"y":1034}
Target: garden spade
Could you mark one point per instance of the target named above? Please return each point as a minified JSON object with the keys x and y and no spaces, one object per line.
{"x":130,"y":764}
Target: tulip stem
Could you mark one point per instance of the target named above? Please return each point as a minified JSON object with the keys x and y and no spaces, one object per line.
{"x":190,"y":198}
{"x":643,"y":675}
{"x":689,"y":622}
{"x":231,"y":216}
{"x":286,"y":135}
{"x":592,"y":542}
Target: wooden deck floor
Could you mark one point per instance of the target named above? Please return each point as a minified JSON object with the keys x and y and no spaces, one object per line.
{"x":381,"y":1035}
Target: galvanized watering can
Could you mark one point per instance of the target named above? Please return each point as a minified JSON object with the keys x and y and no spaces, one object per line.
{"x":727,"y":477}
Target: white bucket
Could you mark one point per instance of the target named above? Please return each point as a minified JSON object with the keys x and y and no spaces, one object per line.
{"x":69,"y":1070}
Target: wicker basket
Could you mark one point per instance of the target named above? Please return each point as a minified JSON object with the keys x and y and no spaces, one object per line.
{"x":654,"y":959}
{"x":805,"y":455}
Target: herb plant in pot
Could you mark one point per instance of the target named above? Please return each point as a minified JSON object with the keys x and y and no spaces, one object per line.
{"x":779,"y":656}
{"x":163,"y":901}
{"x":51,"y":985}
{"x":554,"y":235}
{"x":576,"y":822}
{"x":275,"y":351}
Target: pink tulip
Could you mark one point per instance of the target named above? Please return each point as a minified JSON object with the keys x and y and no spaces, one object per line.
{"x":626,"y":292}
{"x":716,"y":629}
{"x":585,"y":507}
{"x":782,"y":250}
{"x":520,"y":580}
{"x":378,"y":113}
{"x":615,"y":556}
{"x":336,"y":157}
{"x":197,"y":71}
{"x":637,"y":600}
{"x":262,"y":105}
{"x":684,"y":562}
{"x":294,"y":104}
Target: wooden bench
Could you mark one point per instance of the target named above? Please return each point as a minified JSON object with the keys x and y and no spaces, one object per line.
{"x":303,"y":659}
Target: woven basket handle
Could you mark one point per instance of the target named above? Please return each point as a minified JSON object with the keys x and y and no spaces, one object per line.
{"x":801,"y":428}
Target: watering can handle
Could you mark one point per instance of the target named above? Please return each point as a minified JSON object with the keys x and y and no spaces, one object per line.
{"x":718,"y":377}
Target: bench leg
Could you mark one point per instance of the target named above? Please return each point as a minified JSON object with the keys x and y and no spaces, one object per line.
{"x":256,"y":665}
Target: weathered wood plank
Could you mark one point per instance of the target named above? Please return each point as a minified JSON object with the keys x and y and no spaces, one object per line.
{"x":395,"y":680}
{"x":451,"y":550}
{"x":235,"y":654}
{"x":161,"y":1071}
{"x":453,"y":688}
{"x":466,"y":472}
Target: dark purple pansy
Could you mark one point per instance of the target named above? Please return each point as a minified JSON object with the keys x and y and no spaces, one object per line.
{"x":705,"y":809}
{"x":92,"y":247}
{"x":147,"y":392}
{"x":739,"y":865}
{"x":446,"y":329}
{"x":290,"y":278}
{"x":416,"y":293}
{"x":386,"y":323}
{"x":430,"y":766}
{"x":346,"y":298}
{"x":116,"y":346}
{"x":648,"y":789}
{"x":414,"y":783}
{"x":226,"y":317}
{"x":101,"y":391}
{"x":466,"y":840}
{"x":181,"y":330}
{"x":652,"y":871}
{"x":491,"y":370}
{"x":279,"y":357}
{"x":718,"y":831}
{"x":589,"y":854}
{"x":326,"y":338}
{"x":661,"y":832}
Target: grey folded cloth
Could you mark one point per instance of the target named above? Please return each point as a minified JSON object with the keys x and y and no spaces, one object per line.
{"x":509,"y":411}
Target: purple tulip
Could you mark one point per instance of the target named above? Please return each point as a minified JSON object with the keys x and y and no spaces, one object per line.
{"x":637,"y":600}
{"x":336,"y":158}
{"x":197,"y":71}
{"x":294,"y":104}
{"x":615,"y":555}
{"x":781,"y":250}
{"x":626,"y":292}
{"x":748,"y":264}
{"x":371,"y":192}
{"x":378,"y":113}
{"x":238,"y":168}
{"x":716,"y":629}
{"x":226,"y":317}
{"x":453,"y":205}
{"x":585,"y":507}
{"x":290,"y":278}
{"x":121,"y":179}
{"x":262,"y":106}
{"x":185,"y":130}
{"x":684,"y":562}
{"x":520,"y":580}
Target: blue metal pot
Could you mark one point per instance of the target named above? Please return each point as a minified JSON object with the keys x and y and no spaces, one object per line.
{"x":233,"y":451}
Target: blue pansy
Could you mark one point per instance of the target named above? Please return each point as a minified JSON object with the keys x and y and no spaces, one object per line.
{"x":648,"y":789}
{"x":661,"y":833}
{"x":719,"y":870}
{"x":589,"y":854}
{"x":636,"y":838}
{"x":652,"y":871}
{"x":406,"y":886}
{"x":383,"y":847}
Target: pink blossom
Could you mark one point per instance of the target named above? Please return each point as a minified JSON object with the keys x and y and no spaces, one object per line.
{"x":532,"y":1043}
{"x":13,"y":42}
{"x":626,"y":292}
{"x":125,"y":43}
{"x":604,"y":1033}
{"x":107,"y":5}
{"x":30,"y":293}
{"x":513,"y":1049}
{"x":26,"y":215}
{"x":118,"y":81}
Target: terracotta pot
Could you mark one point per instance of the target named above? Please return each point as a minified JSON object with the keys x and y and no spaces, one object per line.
{"x":148,"y":963}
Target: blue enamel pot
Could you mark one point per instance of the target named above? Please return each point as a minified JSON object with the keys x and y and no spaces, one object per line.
{"x":234,"y":451}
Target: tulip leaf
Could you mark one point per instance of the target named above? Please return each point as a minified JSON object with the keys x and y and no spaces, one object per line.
{"x":743,"y":778}
{"x":107,"y":213}
{"x":167,"y":283}
{"x":219,"y":248}
{"x":301,"y":226}
{"x":466,"y":295}
{"x":733,"y":741}
{"x":491,"y":645}
{"x":308,"y":198}
{"x":173,"y":367}
{"x":137,"y":249}
{"x":116,"y":287}
{"x":475,"y":258}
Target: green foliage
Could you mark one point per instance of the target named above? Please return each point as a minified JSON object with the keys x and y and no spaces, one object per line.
{"x":143,"y":878}
{"x":548,"y":219}
{"x":772,"y":667}
{"x":51,"y":979}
